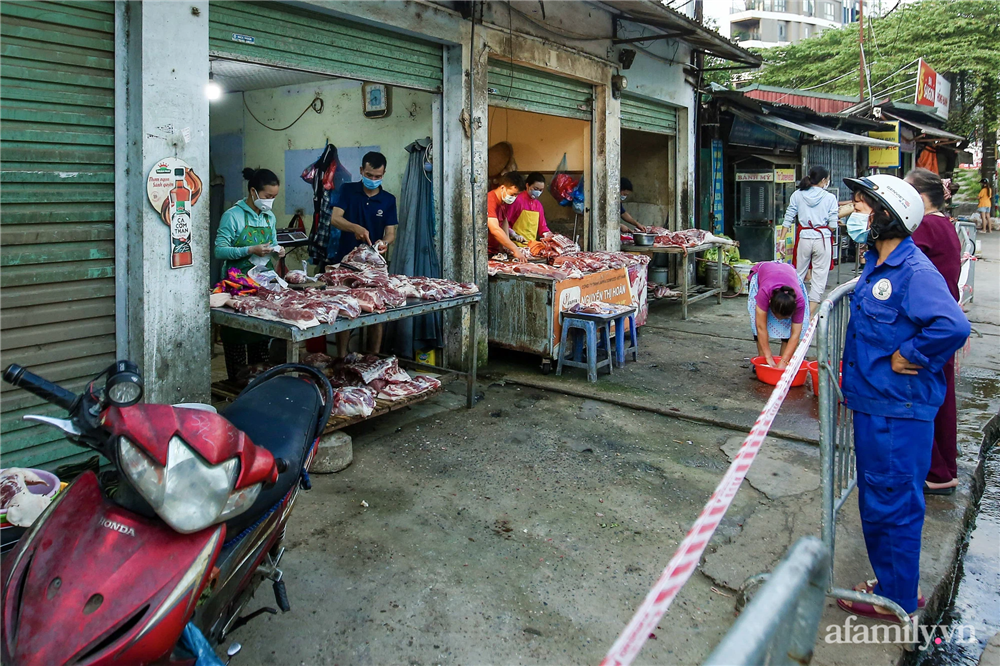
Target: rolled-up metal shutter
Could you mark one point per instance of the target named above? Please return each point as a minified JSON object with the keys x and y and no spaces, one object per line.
{"x":57,"y":94}
{"x":515,"y":87}
{"x":275,"y":34}
{"x":645,"y":115}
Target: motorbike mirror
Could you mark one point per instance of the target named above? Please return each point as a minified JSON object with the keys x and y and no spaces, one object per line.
{"x":233,"y":650}
{"x":124,"y":386}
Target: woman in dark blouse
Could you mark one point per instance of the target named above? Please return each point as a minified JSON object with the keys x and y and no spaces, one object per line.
{"x":937,"y":237}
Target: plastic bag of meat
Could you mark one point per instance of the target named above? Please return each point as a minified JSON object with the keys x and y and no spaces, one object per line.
{"x":23,"y":496}
{"x":296,"y":277}
{"x":362,"y":257}
{"x":353,"y":401}
{"x":416,"y":386}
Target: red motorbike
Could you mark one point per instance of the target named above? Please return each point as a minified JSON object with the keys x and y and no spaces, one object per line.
{"x":162,"y":559}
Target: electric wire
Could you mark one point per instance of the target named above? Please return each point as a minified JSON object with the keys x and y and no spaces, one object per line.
{"x":317,"y":102}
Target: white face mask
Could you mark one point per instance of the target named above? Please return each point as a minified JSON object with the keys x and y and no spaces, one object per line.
{"x":263,"y":204}
{"x":509,"y":199}
{"x":624,"y":197}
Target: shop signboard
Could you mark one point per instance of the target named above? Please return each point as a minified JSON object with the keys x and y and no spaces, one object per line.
{"x":932,"y":90}
{"x":885,"y":158}
{"x":784,"y":175}
{"x":754,"y":176}
{"x":608,"y":286}
{"x":718,"y":205}
{"x":173,"y":189}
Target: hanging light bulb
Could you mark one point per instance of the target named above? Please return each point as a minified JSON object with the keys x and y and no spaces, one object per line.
{"x":213,"y":90}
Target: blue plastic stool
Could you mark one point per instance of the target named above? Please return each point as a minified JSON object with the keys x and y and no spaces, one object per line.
{"x":587,"y":329}
{"x":620,"y":349}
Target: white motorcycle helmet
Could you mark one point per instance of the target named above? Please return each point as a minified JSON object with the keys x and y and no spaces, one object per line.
{"x":899,"y":197}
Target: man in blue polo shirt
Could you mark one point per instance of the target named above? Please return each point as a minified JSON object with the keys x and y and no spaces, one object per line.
{"x":366,"y":214}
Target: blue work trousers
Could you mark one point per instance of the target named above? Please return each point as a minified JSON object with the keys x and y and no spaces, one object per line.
{"x":893,"y":457}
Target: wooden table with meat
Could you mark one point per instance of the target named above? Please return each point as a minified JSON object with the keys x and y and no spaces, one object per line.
{"x":686,"y":243}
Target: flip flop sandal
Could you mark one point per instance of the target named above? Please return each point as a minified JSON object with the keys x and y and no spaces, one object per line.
{"x":868,"y":587}
{"x":950,"y":490}
{"x":865,"y":610}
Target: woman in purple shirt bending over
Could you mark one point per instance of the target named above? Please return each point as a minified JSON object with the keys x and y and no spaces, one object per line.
{"x":937,"y":238}
{"x":776,"y":302}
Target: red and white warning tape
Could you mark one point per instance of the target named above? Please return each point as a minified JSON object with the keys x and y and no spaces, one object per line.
{"x":688,"y":554}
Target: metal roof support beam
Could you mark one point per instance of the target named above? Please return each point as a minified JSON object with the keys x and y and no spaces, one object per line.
{"x":650,"y":38}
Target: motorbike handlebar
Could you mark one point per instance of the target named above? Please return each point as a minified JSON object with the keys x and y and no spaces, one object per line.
{"x":43,"y":388}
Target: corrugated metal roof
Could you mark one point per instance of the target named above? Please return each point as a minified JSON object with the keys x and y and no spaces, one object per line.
{"x":817,"y":104}
{"x":655,"y":14}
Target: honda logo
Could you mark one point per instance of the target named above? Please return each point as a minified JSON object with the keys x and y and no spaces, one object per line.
{"x":117,"y":527}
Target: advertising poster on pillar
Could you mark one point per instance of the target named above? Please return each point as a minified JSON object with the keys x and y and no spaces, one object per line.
{"x":173,"y":189}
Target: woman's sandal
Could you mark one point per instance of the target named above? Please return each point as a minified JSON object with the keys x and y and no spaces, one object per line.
{"x":868,"y":610}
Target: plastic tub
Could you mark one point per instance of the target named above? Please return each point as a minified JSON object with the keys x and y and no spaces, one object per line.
{"x":814,"y":372}
{"x":769,"y":375}
{"x":743,"y":271}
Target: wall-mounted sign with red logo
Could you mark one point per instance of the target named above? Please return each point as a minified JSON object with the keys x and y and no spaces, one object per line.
{"x":173,"y":189}
{"x":932,"y":89}
{"x":926,"y":82}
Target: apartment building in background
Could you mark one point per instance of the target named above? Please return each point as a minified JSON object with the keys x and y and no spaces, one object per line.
{"x":767,"y":23}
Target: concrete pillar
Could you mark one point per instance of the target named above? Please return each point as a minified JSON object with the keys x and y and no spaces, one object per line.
{"x":162,"y":112}
{"x":607,"y":166}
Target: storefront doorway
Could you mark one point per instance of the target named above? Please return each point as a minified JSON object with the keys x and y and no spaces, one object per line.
{"x":543,"y":116}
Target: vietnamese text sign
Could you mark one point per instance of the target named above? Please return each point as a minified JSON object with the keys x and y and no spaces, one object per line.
{"x":754,"y":176}
{"x":885,"y":158}
{"x":932,"y":90}
{"x":718,"y":205}
{"x":784,"y":175}
{"x":611,"y":286}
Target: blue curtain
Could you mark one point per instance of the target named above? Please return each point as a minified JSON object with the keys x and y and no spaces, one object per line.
{"x":414,"y":252}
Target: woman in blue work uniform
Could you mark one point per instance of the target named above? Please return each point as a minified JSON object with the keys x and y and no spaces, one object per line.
{"x":904,"y":326}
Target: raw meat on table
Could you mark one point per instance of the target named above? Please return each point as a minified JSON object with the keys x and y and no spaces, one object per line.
{"x":416,"y":386}
{"x":600,"y":308}
{"x":685,"y":238}
{"x":362,"y":257}
{"x":555,"y":245}
{"x":371,"y":367}
{"x":353,"y":401}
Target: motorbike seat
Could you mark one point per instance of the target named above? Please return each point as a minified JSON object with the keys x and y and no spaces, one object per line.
{"x":279,"y":415}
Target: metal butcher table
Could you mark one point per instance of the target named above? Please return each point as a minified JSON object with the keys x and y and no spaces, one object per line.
{"x":686,"y":252}
{"x":295,"y":335}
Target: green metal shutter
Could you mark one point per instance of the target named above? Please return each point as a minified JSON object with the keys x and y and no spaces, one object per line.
{"x":516,"y":87}
{"x":648,"y":116}
{"x":282,"y":36}
{"x":57,"y":94}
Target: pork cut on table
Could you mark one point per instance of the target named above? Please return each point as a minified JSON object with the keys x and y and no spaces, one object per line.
{"x":684,"y":238}
{"x":555,"y":245}
{"x":370,"y":367}
{"x":600,"y":308}
{"x":354,"y":401}
{"x":416,"y":386}
{"x":362,"y":257}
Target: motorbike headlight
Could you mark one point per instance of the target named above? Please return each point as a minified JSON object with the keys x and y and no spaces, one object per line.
{"x":187,"y":493}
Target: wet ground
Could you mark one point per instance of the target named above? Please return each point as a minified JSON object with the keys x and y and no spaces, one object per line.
{"x":528,"y":529}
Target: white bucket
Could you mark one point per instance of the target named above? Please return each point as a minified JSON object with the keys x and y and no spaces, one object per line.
{"x":743,"y":270}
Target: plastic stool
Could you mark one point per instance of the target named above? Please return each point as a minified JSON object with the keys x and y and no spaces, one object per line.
{"x":587,"y":330}
{"x":620,"y":349}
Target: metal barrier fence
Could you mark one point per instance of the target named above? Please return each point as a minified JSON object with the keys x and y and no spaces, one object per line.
{"x":836,"y":435}
{"x":836,"y":442}
{"x":779,"y":626}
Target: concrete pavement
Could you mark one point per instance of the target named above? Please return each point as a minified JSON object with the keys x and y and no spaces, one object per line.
{"x":528,"y":529}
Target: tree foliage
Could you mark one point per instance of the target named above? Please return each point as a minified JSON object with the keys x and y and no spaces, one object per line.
{"x":958,"y":38}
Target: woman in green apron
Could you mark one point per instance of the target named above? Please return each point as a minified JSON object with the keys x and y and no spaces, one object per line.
{"x":247,"y":231}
